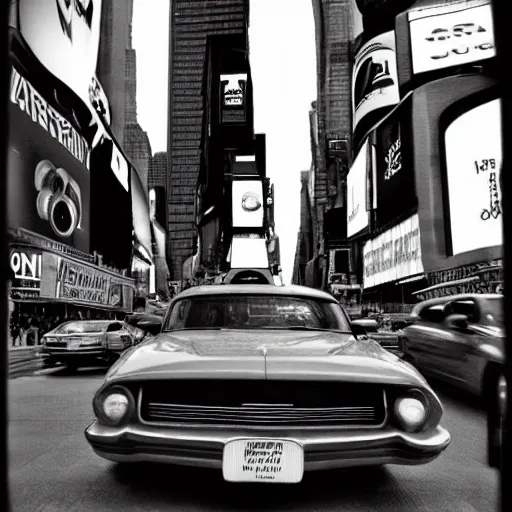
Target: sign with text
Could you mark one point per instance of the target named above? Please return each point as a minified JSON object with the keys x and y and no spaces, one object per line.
{"x":451,"y":35}
{"x":81,"y":282}
{"x":396,"y":191}
{"x":263,"y":460}
{"x":26,"y":263}
{"x":27,"y":98}
{"x":395,"y":254}
{"x":473,"y":178}
{"x":247,"y":204}
{"x":233,"y":98}
{"x":375,"y":79}
{"x":48,"y":178}
{"x":357,"y":215}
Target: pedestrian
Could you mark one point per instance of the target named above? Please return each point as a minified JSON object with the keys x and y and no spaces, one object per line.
{"x":11,"y":306}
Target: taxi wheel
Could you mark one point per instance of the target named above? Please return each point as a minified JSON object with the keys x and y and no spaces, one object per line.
{"x":495,"y":418}
{"x":71,"y":367}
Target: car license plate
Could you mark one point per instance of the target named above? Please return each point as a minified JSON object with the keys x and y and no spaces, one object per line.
{"x":72,"y":344}
{"x":263,"y":460}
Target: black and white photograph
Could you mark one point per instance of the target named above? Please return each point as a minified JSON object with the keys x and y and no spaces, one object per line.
{"x":256,"y":256}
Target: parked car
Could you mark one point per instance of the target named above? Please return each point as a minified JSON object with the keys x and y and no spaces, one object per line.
{"x":389,"y":340}
{"x":460,"y":340}
{"x":264,"y":382}
{"x":86,"y":342}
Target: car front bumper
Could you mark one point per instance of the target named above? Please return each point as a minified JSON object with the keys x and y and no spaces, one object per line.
{"x":204,"y":448}
{"x":78,"y":353}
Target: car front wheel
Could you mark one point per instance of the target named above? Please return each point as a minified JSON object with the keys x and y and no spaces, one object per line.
{"x":495,"y":420}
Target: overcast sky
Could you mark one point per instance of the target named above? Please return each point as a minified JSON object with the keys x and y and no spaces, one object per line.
{"x":283,"y":64}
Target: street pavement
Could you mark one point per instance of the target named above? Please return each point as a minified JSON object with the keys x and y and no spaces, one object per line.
{"x":53,"y":469}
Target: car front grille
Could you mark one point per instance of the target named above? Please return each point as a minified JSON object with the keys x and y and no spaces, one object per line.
{"x":266,"y":404}
{"x":120,"y":343}
{"x":56,"y":344}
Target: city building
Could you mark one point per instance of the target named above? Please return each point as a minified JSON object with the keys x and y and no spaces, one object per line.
{"x":305,"y":243}
{"x":136,"y":141}
{"x":157,"y":186}
{"x":157,"y":173}
{"x":190,"y":25}
{"x":116,"y":19}
{"x":331,"y":118}
{"x":421,"y":233}
{"x":60,"y":162}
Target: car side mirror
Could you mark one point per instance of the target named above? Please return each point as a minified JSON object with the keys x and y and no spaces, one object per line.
{"x":358,"y":329}
{"x":152,"y":328}
{"x":457,"y":321}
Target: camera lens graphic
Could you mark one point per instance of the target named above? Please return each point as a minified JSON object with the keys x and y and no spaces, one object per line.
{"x":59,"y":199}
{"x":62,"y":218}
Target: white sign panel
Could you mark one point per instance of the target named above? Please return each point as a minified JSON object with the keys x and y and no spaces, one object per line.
{"x":357,"y":216}
{"x":375,"y":79}
{"x":473,"y":164}
{"x":263,"y":460}
{"x":249,"y":253}
{"x":452,"y":35}
{"x":64,"y":35}
{"x":395,"y":254}
{"x":233,"y":91}
{"x":247,"y":204}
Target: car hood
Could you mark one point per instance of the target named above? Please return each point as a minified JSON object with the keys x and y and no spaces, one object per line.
{"x":260,"y":354}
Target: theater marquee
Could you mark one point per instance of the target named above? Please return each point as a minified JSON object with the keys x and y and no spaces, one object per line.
{"x":395,"y":254}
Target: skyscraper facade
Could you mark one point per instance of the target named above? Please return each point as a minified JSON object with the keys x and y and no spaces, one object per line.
{"x":332,"y":126}
{"x":190,"y":24}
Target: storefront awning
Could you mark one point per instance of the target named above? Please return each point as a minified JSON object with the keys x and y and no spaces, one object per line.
{"x":43,"y":273}
{"x":447,"y":285}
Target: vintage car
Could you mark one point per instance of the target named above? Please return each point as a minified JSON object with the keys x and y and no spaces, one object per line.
{"x":390,"y":340}
{"x":264,"y":382}
{"x":85,"y":343}
{"x":460,"y":339}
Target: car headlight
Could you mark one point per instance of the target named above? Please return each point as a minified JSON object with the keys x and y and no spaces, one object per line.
{"x":411,"y":412}
{"x":114,"y":406}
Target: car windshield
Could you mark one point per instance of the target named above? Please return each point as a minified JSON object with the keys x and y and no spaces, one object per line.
{"x":255,"y":312}
{"x":493,"y":313}
{"x":81,"y":327}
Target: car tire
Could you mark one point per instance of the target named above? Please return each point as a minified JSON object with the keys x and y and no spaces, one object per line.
{"x":496,"y":398}
{"x":71,"y":367}
{"x":48,"y":362}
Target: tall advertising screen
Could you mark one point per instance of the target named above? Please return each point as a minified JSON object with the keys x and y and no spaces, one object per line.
{"x":140,"y":212}
{"x":375,"y":78}
{"x":394,"y":170}
{"x":357,"y":214}
{"x":473,"y":170}
{"x":64,"y":35}
{"x":247,"y":200}
{"x":48,"y":180}
{"x":111,"y":204}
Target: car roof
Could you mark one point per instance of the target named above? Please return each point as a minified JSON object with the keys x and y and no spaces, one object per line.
{"x":91,"y":321}
{"x":255,"y":289}
{"x":450,"y":298}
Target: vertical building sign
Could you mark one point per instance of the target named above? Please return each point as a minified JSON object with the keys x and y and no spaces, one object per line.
{"x":233,"y":98}
{"x":357,"y":214}
{"x":375,"y":79}
{"x":247,"y":201}
{"x":473,"y":171}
